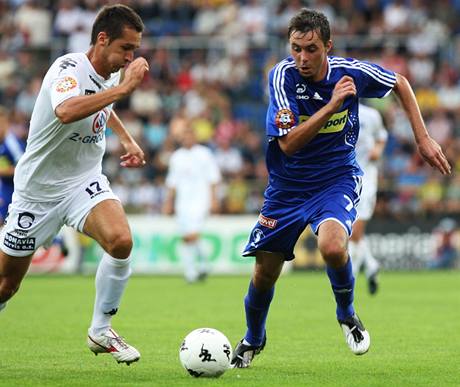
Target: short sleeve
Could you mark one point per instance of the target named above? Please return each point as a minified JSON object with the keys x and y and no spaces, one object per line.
{"x":377,"y":82}
{"x":283,"y":111}
{"x":65,"y":83}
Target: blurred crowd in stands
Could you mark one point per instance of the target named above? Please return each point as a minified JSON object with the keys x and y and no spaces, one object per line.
{"x":208,"y":65}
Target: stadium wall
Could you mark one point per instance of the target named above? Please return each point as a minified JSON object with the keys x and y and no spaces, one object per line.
{"x":396,"y":246}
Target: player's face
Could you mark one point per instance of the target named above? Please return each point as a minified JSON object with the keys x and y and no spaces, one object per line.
{"x":310,"y":54}
{"x":120,"y":52}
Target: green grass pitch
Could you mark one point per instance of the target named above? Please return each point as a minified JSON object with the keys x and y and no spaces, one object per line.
{"x":414,"y":324}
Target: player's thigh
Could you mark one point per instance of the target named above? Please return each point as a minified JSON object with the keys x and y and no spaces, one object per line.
{"x":96,"y":211}
{"x":332,"y":233}
{"x":107,"y":223}
{"x":267,"y":269}
{"x":29,"y":225}
{"x":359,"y":228}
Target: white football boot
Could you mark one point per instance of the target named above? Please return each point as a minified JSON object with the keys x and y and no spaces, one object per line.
{"x":356,"y":336}
{"x":111,"y":342}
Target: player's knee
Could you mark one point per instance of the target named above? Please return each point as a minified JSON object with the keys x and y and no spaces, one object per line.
{"x":120,"y":246}
{"x":334,"y":253}
{"x":264,"y":280}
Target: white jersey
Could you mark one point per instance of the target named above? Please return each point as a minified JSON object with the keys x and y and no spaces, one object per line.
{"x":60,"y":157}
{"x":371,"y":131}
{"x":191,"y":173}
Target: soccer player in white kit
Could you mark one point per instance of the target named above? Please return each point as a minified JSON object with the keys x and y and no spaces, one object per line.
{"x":192,"y":181}
{"x":369,"y":149}
{"x":59,"y":179}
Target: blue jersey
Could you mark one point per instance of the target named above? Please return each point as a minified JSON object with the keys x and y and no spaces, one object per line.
{"x":294,"y":99}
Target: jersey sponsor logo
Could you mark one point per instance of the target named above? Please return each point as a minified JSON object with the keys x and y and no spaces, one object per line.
{"x":100,"y":121}
{"x":21,"y":244}
{"x":284,"y":119}
{"x":267,"y":222}
{"x":25,"y":220}
{"x":66,"y":84}
{"x":335,"y":124}
{"x":94,"y":139}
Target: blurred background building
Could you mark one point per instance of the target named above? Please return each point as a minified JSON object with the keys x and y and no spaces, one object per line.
{"x":208,"y":65}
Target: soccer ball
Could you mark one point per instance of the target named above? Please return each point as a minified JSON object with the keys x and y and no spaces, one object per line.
{"x":205,"y":352}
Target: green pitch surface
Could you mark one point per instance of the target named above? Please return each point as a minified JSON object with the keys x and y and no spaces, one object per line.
{"x":414,"y":322}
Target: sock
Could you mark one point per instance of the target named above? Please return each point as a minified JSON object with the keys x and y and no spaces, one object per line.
{"x":357,"y":256}
{"x":187,"y":255}
{"x":201,"y":258}
{"x":343,"y":283}
{"x":371,"y":264}
{"x":2,"y":305}
{"x":111,"y":278}
{"x":256,"y":304}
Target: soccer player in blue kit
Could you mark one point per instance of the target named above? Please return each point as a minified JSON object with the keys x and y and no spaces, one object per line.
{"x":312,"y":127}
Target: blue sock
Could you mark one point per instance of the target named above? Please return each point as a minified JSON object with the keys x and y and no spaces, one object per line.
{"x":256,"y":304}
{"x":343,"y":284}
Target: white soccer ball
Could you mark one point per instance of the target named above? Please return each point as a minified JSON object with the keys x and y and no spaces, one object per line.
{"x":205,"y":352}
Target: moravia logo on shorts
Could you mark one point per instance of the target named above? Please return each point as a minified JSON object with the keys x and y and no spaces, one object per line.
{"x":335,"y":124}
{"x":22,"y":244}
{"x":267,"y":222}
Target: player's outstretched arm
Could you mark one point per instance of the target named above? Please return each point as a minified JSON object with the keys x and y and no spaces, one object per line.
{"x":307,"y":130}
{"x":134,"y":156}
{"x":77,"y":108}
{"x":429,"y":149}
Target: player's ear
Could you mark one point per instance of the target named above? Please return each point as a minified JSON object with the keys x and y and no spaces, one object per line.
{"x":103,"y":38}
{"x":328,"y":46}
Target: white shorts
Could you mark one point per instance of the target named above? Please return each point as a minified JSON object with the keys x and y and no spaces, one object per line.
{"x":367,"y":201}
{"x":30,"y":225}
{"x":190,"y":223}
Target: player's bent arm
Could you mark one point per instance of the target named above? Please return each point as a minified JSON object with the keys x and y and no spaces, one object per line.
{"x":296,"y":139}
{"x":306,"y":131}
{"x":409,"y":103}
{"x":118,"y":128}
{"x":429,"y":149}
{"x":77,"y":108}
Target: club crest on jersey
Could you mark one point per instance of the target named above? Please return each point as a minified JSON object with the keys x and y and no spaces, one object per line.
{"x":267,"y":222}
{"x":66,"y":84}
{"x":100,"y":121}
{"x":284,"y":119}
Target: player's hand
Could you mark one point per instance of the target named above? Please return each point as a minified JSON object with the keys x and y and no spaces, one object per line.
{"x":134,"y":74}
{"x":344,"y":88}
{"x":134,"y":156}
{"x":432,"y":153}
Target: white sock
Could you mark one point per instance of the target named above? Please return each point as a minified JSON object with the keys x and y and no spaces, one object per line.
{"x":187,"y":254}
{"x":371,"y":264}
{"x":111,"y":278}
{"x":202,"y":260}
{"x":2,"y":305}
{"x":354,"y":249}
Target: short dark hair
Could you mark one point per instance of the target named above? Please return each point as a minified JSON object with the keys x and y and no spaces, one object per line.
{"x":112,"y":19}
{"x":308,"y":20}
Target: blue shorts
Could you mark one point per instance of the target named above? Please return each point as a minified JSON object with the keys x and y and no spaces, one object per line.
{"x":284,"y":216}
